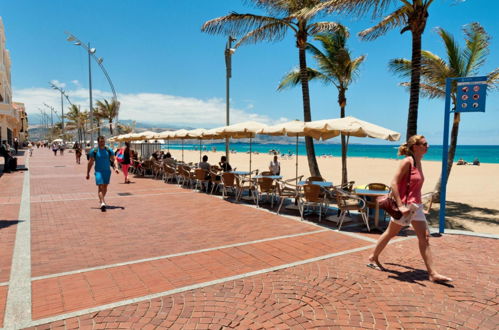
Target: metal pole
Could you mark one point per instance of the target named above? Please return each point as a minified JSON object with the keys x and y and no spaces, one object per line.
{"x":445,"y":152}
{"x":62,"y":113}
{"x":228,"y":64}
{"x":90,"y":96}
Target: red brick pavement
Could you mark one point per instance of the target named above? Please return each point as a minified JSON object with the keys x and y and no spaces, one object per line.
{"x":69,"y":233}
{"x":335,"y":293}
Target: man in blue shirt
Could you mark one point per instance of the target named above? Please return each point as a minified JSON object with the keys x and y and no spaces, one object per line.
{"x":103,"y":157}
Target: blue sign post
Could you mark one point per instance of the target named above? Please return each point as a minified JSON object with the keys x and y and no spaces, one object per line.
{"x":470,"y":97}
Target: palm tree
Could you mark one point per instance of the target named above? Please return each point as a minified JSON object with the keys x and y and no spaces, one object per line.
{"x":412,"y":16}
{"x":283,"y":15}
{"x":336,"y":67}
{"x":76,"y":120}
{"x":460,"y":63}
{"x":109,"y":111}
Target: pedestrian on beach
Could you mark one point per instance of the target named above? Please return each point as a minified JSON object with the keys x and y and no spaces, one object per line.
{"x":77,"y":149}
{"x":61,"y":148}
{"x":275,"y":166}
{"x":125,"y":164}
{"x":406,"y":190}
{"x":104,"y":159}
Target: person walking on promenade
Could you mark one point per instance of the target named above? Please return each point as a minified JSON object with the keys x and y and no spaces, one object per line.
{"x":30,"y":148}
{"x":77,"y":149}
{"x":16,"y":145}
{"x":125,"y":164}
{"x":55,"y":147}
{"x":103,"y":157}
{"x":406,"y":190}
{"x":61,"y":148}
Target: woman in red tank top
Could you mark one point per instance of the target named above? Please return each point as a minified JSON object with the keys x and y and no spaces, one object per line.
{"x":406,"y":190}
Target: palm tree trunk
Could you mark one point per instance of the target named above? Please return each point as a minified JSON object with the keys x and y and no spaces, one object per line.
{"x":307,"y":116}
{"x":412,"y":117}
{"x":450,"y":158}
{"x":111,"y":127}
{"x":342,"y":102}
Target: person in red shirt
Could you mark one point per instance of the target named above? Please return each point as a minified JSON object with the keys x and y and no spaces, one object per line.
{"x":406,"y":190}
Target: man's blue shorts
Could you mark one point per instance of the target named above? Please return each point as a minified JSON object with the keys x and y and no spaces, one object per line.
{"x":102,"y":177}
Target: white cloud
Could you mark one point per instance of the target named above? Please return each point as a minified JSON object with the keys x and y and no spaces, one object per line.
{"x":58,"y":83}
{"x":147,"y":107}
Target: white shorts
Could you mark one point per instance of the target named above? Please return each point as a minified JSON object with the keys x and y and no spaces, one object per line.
{"x":417,"y":215}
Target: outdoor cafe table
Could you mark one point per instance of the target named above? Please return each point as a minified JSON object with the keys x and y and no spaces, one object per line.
{"x":273,"y":177}
{"x":372,"y":193}
{"x":323,"y":184}
{"x":241,"y":172}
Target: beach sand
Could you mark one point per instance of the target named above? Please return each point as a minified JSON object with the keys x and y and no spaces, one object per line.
{"x":472,"y":191}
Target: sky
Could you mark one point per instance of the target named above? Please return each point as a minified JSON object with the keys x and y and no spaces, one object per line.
{"x":168,"y":73}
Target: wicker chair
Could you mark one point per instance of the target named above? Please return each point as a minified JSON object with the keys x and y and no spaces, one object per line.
{"x":265,"y":186}
{"x":228,"y":182}
{"x":347,"y":202}
{"x":201,"y":179}
{"x":312,"y":196}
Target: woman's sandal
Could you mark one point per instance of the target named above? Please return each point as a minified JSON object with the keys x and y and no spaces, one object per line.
{"x":374,"y":266}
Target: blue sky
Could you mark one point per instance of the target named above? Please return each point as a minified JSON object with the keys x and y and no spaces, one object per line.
{"x":167,"y":72}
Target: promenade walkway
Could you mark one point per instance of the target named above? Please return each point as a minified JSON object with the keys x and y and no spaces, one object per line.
{"x":169,"y":258}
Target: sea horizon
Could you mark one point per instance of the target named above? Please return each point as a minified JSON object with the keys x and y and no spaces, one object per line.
{"x":484,"y":153}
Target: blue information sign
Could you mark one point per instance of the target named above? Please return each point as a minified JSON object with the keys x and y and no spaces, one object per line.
{"x":470,"y":96}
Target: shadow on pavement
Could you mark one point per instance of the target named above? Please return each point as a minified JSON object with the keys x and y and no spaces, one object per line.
{"x":8,"y":223}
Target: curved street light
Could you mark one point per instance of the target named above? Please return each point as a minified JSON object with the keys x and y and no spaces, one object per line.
{"x":63,"y":94}
{"x":91,"y":54}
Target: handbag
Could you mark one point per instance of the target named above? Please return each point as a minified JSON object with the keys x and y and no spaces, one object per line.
{"x":120,"y":156}
{"x":388,"y":203}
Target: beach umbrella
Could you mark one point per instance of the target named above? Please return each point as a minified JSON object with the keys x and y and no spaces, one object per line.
{"x":165,"y":135}
{"x":197,"y":134}
{"x":180,"y":134}
{"x":247,"y":129}
{"x":349,"y":126}
{"x":294,"y":128}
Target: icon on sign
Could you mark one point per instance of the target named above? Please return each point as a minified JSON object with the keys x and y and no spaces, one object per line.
{"x":475,"y":105}
{"x":464,"y":97}
{"x":476,"y":88}
{"x":465,"y":89}
{"x":476,"y":96}
{"x":464,"y":105}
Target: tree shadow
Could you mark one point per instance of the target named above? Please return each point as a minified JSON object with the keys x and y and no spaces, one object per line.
{"x":465,"y":212}
{"x":8,"y":223}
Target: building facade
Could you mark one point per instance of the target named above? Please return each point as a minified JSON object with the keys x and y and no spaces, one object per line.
{"x":13,"y":118}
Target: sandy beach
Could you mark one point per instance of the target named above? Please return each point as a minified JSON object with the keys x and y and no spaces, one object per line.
{"x":472,"y":191}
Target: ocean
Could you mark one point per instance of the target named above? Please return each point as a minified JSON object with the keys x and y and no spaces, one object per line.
{"x":485,"y":153}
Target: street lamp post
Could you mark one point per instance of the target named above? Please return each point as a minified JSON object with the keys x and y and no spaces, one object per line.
{"x":99,"y":60}
{"x":63,"y":94}
{"x":228,"y":65}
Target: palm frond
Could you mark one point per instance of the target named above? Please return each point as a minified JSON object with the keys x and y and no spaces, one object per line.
{"x":434,"y":70}
{"x":358,"y":7}
{"x":400,"y":66}
{"x":271,"y":32}
{"x":493,"y":80}
{"x":238,"y":24}
{"x":477,"y":47}
{"x":292,"y":78}
{"x":428,"y":91}
{"x":320,"y":27}
{"x":454,"y":54}
{"x":396,"y":19}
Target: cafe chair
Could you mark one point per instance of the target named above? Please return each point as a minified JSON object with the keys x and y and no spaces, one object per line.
{"x":216,"y":181}
{"x":347,"y":202}
{"x":228,"y":183}
{"x":372,"y":203}
{"x":313,"y":196}
{"x":201,"y":179}
{"x":264,"y":186}
{"x":169,"y":173}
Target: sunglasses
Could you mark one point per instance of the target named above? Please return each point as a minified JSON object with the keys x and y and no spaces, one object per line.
{"x":423,"y":144}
